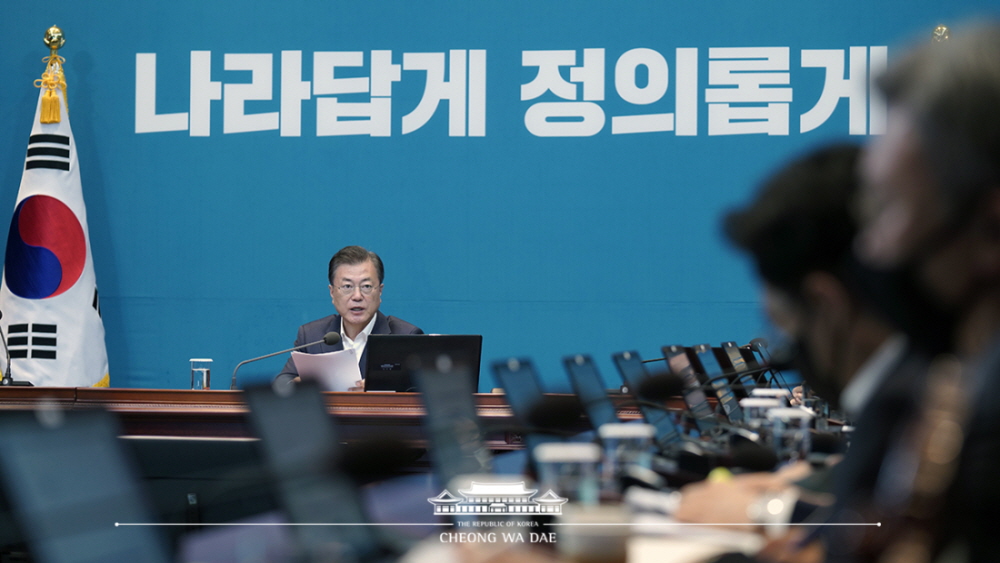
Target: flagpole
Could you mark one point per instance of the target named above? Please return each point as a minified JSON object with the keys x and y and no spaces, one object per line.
{"x":54,"y":40}
{"x":48,"y":293}
{"x":53,"y":77}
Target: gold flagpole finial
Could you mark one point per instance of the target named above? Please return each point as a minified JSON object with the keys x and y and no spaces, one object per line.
{"x":54,"y":39}
{"x":53,"y":77}
{"x":940,"y":34}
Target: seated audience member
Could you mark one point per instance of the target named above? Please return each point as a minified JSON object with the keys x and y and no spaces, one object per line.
{"x":356,"y":276}
{"x":799,"y":231}
{"x":931,"y":220}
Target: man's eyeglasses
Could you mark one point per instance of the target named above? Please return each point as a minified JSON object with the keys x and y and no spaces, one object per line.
{"x":348,"y":289}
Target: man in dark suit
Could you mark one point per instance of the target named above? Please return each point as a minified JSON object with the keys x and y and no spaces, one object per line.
{"x":356,"y":276}
{"x":931,"y":218}
{"x":799,"y":232}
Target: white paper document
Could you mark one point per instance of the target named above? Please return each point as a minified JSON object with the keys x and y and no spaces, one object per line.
{"x":336,"y":371}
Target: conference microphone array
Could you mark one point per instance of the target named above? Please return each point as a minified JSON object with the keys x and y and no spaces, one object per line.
{"x":664,"y":385}
{"x":556,"y":416}
{"x":783,"y":358}
{"x":330,"y":339}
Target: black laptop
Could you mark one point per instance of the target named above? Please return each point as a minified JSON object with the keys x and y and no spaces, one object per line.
{"x":452,"y":424}
{"x":694,"y":393}
{"x":301,"y":449}
{"x":590,"y":390}
{"x":76,"y":493}
{"x":388,"y":354}
{"x":704,"y":361}
{"x":633,"y":372}
{"x":523,"y":391}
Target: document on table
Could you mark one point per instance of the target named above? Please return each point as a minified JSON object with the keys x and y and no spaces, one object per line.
{"x":336,"y":371}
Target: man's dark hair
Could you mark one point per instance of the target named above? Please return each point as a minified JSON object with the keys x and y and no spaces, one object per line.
{"x":801,"y":220}
{"x":952,"y":91}
{"x":351,"y":255}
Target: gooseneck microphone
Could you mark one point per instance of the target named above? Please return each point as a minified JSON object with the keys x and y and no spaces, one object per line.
{"x":7,"y":380}
{"x":330,"y":339}
{"x":6,"y":374}
{"x":661,"y":386}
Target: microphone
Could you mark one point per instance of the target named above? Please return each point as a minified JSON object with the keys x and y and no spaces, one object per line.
{"x":330,"y":339}
{"x":665,"y":385}
{"x":7,"y":379}
{"x":6,"y":374}
{"x":728,"y":374}
{"x":782,"y":359}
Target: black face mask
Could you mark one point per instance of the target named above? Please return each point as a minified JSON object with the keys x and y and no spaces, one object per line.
{"x":899,"y":298}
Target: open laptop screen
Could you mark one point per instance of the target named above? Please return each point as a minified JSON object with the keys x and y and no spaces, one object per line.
{"x":300,"y":446}
{"x":704,"y":355}
{"x":633,"y":371}
{"x":70,"y":482}
{"x":452,"y":424}
{"x":744,"y":375}
{"x":388,"y":354}
{"x":524,"y":394}
{"x":694,"y":393}
{"x":590,"y":390}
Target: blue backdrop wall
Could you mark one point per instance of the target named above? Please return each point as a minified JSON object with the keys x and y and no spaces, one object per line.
{"x":484,"y":149}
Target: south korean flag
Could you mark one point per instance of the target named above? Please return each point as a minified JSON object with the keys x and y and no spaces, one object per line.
{"x":51,"y":313}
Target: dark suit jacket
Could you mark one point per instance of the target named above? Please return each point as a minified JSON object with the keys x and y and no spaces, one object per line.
{"x":315,"y":330}
{"x":973,"y":502}
{"x":878,"y":429}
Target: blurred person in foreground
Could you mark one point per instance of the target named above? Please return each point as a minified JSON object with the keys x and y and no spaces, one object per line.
{"x":799,"y":231}
{"x":931,"y":220}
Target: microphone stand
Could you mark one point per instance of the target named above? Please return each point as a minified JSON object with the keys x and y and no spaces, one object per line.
{"x":7,"y":380}
{"x":329,"y":339}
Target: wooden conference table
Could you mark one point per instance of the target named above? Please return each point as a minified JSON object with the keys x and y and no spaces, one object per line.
{"x":220,"y":415}
{"x":197,"y":455}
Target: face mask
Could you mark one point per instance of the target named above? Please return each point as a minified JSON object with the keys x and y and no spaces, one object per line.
{"x":900,"y":299}
{"x":900,"y":296}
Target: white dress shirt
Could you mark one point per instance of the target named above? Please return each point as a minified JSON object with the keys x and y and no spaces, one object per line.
{"x":359,"y":342}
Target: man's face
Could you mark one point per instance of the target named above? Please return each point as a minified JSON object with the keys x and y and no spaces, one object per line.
{"x":900,"y":207}
{"x":904,"y":216}
{"x":821,"y":337}
{"x":356,"y":308}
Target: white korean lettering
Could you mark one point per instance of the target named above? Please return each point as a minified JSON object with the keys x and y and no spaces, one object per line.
{"x":293,"y":91}
{"x":657,"y":82}
{"x":437,"y":89}
{"x":751,"y":73}
{"x":203,"y":91}
{"x":235,"y":118}
{"x":564,"y":119}
{"x":146,"y":118}
{"x":837,"y":86}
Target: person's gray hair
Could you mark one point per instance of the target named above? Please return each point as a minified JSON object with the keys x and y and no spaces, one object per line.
{"x":952,"y":91}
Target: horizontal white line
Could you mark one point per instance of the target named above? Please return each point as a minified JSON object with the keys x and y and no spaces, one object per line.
{"x":117,"y":524}
{"x":877,"y":524}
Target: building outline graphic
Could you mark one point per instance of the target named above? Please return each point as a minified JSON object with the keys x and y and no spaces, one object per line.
{"x":497,"y":498}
